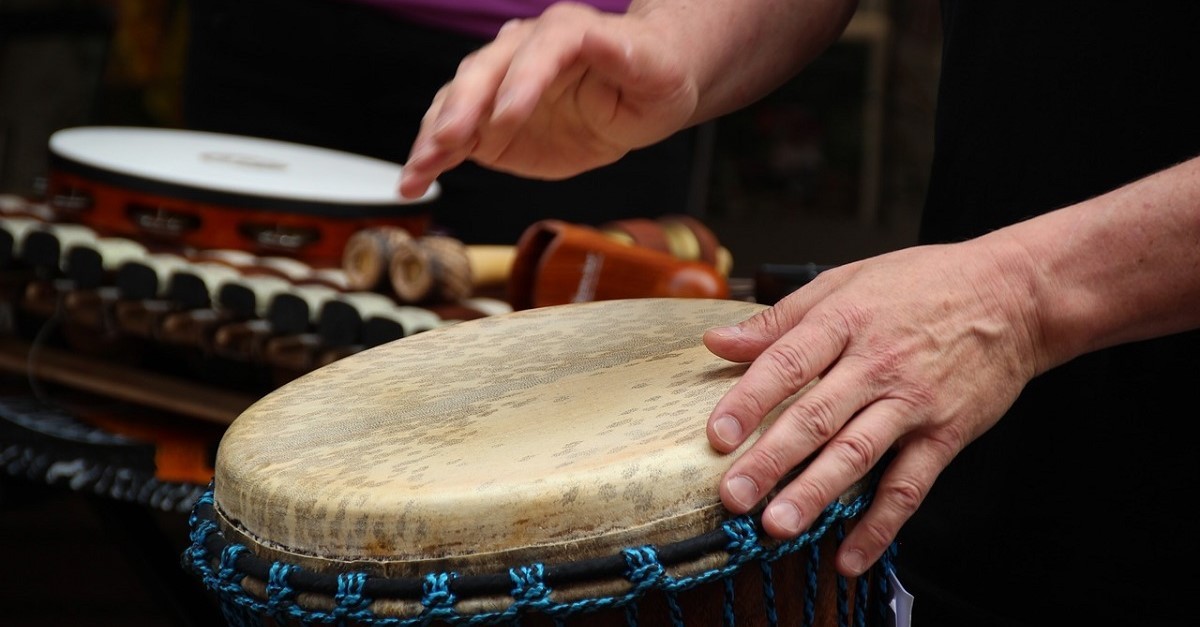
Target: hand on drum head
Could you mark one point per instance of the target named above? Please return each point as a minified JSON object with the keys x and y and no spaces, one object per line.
{"x":920,"y":350}
{"x":549,"y":98}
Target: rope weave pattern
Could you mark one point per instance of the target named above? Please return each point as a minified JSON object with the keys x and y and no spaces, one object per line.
{"x":810,"y":588}
{"x":44,"y":443}
{"x":530,"y":591}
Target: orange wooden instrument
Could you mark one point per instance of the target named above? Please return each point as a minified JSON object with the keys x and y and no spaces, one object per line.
{"x":683,"y":236}
{"x":558,"y":263}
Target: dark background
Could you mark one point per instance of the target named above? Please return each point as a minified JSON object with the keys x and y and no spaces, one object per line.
{"x":829,"y":169}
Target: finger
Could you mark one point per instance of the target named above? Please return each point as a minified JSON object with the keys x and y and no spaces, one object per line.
{"x":499,"y":133}
{"x":845,"y":455}
{"x":901,"y":490}
{"x":421,"y":168}
{"x":471,"y":96}
{"x":786,"y":366}
{"x":548,"y":47}
{"x":744,"y":341}
{"x":799,"y":430}
{"x":544,"y":66}
{"x":450,"y":127}
{"x":738,"y":342}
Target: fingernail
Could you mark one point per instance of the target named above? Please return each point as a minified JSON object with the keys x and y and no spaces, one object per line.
{"x":743,"y":491}
{"x":726,"y":331}
{"x":408,"y":195}
{"x":786,"y":516}
{"x":728,"y":430}
{"x":854,"y":561}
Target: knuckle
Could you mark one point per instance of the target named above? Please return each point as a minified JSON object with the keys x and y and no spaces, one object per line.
{"x":754,"y":403}
{"x":919,"y":396}
{"x":948,"y":441}
{"x":510,"y":25}
{"x":812,"y":493}
{"x":556,"y":10}
{"x":880,"y":363}
{"x":854,"y":450}
{"x":814,"y":418}
{"x":465,"y":64}
{"x":430,"y":117}
{"x":564,"y":10}
{"x":768,"y":462}
{"x":771,"y":320}
{"x":904,"y":495}
{"x":786,"y":363}
{"x":850,"y":317}
{"x":877,"y":533}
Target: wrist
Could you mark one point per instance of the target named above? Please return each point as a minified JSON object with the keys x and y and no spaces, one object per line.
{"x":1042,"y":310}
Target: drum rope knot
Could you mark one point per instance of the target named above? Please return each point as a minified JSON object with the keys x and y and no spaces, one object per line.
{"x":646,"y":572}
{"x":529,"y":586}
{"x":228,"y":576}
{"x":436,"y":596}
{"x":742,"y":534}
{"x":280,"y":593}
{"x":350,"y":600}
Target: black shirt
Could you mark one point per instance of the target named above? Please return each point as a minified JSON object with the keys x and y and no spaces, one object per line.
{"x":1077,"y":508}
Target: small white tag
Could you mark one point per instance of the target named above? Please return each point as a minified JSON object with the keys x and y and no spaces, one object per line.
{"x":900,"y":603}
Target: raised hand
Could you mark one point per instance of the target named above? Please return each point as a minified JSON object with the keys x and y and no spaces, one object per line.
{"x":552,"y":97}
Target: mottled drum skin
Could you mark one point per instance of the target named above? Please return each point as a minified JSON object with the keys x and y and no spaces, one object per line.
{"x":547,"y":435}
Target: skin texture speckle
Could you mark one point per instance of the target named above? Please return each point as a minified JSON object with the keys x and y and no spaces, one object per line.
{"x":573,"y":430}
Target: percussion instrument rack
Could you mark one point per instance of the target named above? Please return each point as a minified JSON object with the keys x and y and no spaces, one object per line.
{"x":101,"y":334}
{"x":189,"y":343}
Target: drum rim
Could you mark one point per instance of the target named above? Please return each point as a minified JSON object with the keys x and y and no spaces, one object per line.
{"x":240,"y":199}
{"x":224,"y":565}
{"x":235,"y":200}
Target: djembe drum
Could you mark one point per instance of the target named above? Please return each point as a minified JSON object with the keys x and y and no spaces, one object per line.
{"x":547,"y":466}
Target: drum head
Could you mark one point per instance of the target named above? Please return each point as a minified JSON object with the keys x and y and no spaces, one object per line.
{"x":229,"y":169}
{"x":557,"y":433}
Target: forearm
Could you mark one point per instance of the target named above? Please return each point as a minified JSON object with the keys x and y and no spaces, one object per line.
{"x":1119,"y":267}
{"x":740,"y":50}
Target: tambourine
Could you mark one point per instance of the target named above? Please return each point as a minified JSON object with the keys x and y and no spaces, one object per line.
{"x":218,"y":191}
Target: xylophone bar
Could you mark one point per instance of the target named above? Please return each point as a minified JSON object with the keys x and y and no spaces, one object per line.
{"x":117,"y":381}
{"x":210,"y":305}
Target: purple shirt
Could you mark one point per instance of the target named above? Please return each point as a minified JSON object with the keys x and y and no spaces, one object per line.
{"x":482,"y":18}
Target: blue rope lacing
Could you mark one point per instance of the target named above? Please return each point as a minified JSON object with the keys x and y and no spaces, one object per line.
{"x":530,"y":592}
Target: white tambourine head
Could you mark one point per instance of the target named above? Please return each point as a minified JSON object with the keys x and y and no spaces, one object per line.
{"x":236,"y":164}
